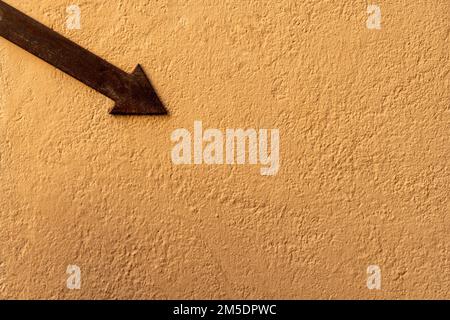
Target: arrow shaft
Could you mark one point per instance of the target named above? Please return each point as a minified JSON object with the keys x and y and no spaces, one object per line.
{"x":62,"y":53}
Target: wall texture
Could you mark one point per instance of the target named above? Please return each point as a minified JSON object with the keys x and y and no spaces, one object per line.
{"x":364,"y":120}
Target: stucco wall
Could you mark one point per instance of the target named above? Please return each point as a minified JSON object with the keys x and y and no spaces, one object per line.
{"x":364,"y":124}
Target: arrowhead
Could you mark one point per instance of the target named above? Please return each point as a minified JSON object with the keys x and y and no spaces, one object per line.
{"x":140,"y":99}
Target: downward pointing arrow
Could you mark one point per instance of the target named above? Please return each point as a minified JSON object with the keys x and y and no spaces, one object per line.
{"x":133,"y":93}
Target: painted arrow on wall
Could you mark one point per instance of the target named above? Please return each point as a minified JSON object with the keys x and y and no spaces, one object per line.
{"x":133,"y":93}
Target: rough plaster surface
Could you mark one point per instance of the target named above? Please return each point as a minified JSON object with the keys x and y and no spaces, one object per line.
{"x":364,"y":120}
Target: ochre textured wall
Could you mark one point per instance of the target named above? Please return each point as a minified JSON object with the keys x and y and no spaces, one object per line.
{"x":364,"y":122}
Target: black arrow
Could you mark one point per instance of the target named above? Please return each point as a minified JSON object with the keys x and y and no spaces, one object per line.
{"x":133,"y":93}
